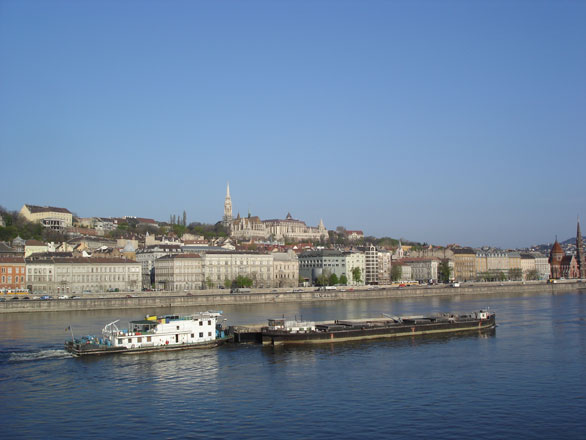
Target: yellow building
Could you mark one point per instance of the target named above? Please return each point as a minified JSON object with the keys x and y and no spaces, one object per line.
{"x":48,"y":216}
{"x":464,"y":264}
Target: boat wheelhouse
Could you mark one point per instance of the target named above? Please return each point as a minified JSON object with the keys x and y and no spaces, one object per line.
{"x":153,"y":333}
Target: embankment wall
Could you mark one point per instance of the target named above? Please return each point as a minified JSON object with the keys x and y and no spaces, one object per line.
{"x":169,"y":300}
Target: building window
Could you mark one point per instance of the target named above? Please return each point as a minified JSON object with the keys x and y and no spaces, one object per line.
{"x":201,"y":335}
{"x":192,"y":336}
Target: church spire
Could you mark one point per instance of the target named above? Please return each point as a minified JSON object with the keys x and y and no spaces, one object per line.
{"x":227,"y":206}
{"x":580,"y":252}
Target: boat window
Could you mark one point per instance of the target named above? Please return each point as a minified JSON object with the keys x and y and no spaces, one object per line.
{"x":177,"y":327}
{"x":130,"y":340}
{"x":192,"y":336}
{"x":200,"y":322}
{"x":138,"y":339}
{"x":209,"y":333}
{"x":209,"y":322}
{"x":201,"y":335}
{"x":120,"y":341}
{"x":148,"y":339}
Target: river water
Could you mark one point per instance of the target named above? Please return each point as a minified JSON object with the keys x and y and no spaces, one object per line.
{"x":526,"y":379}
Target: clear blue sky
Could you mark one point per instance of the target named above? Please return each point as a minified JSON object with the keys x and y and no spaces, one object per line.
{"x":446,"y":122}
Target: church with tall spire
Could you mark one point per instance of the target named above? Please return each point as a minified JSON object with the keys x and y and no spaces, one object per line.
{"x":253,"y":228}
{"x":227,"y":219}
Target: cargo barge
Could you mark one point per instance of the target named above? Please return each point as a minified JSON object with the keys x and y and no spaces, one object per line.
{"x":281,"y":331}
{"x":154,"y":333}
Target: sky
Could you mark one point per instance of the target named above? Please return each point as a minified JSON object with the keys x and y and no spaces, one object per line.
{"x":434,"y":121}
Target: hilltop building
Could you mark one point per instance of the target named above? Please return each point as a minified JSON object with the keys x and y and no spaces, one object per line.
{"x":253,"y":228}
{"x":49,"y":216}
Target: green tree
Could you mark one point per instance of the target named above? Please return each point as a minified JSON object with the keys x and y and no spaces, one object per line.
{"x":396,"y":272}
{"x":343,"y":279}
{"x":515,"y":274}
{"x":333,"y":280}
{"x":356,"y":274}
{"x":532,"y":275}
{"x":444,"y":271}
{"x":209,"y":283}
{"x":242,"y":281}
{"x":322,"y":280}
{"x":227,"y":283}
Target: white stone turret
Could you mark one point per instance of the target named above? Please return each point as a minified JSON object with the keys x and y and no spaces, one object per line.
{"x":227,"y":206}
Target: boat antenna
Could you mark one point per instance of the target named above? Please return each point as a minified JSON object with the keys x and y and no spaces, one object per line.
{"x":71,"y":330}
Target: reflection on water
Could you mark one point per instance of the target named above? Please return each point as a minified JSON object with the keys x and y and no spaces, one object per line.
{"x":524,"y":379}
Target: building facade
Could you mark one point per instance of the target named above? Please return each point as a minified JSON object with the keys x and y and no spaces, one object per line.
{"x":464,"y":264}
{"x":179,"y":272}
{"x":422,"y":269}
{"x":12,"y":274}
{"x":325,"y":262}
{"x":82,"y":275}
{"x":49,"y":216}
{"x":355,"y":260}
{"x":285,"y":269}
{"x":146,"y":257}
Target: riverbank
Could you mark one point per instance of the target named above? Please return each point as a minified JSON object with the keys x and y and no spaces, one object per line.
{"x":207,"y":299}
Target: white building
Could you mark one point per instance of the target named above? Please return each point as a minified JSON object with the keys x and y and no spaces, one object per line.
{"x":147,"y":259}
{"x":178,"y":272}
{"x":422,"y":269}
{"x":355,"y":260}
{"x":77,"y":275}
{"x":285,"y":269}
{"x":371,"y":260}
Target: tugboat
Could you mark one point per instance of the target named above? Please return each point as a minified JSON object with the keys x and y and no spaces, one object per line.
{"x":154,"y":333}
{"x":281,"y":331}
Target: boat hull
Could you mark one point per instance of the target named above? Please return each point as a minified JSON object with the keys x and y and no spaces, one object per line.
{"x":276,"y":337}
{"x":79,"y":350}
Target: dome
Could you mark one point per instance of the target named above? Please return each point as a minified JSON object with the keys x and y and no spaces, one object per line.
{"x":128,"y":247}
{"x":18,"y":242}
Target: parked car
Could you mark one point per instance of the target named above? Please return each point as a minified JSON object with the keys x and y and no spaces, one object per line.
{"x":45,"y":297}
{"x":63,"y":297}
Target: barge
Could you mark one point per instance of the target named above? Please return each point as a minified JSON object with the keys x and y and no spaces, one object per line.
{"x":153,"y":333}
{"x":281,"y":331}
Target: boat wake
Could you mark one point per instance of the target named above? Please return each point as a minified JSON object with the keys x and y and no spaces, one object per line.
{"x":39,"y":355}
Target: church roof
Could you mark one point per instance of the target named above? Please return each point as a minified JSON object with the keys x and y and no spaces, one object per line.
{"x":557,"y":249}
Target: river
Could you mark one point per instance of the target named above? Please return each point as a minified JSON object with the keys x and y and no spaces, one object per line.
{"x":526,"y":379}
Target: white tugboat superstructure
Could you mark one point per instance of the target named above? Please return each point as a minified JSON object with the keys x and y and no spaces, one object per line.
{"x":154,"y":333}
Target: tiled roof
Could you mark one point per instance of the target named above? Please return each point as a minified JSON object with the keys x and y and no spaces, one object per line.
{"x":35,"y":243}
{"x":4,"y":260}
{"x":35,"y":209}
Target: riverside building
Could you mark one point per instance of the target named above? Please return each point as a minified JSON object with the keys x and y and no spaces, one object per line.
{"x":212,"y":269}
{"x":78,"y":275}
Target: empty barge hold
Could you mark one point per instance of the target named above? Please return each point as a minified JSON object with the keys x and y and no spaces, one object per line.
{"x":281,"y":331}
{"x":154,"y":333}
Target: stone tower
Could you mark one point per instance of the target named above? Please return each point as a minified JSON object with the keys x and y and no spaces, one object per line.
{"x":555,"y":259}
{"x":580,"y":252}
{"x":227,"y":207}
